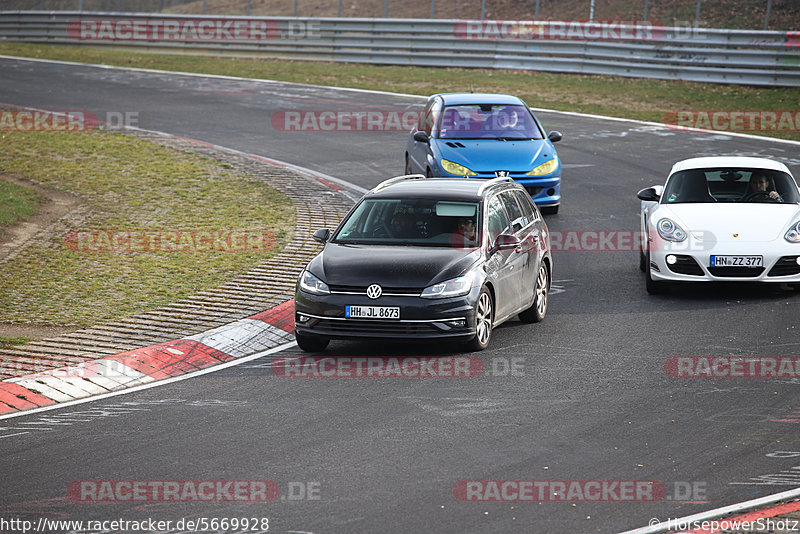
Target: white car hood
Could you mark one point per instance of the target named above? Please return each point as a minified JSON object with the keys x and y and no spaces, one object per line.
{"x":750,"y":221}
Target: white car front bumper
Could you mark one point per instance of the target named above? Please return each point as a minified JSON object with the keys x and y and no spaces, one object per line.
{"x":779,"y":263}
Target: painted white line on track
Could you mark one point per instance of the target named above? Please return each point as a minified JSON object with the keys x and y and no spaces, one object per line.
{"x":157,"y":383}
{"x":404,"y":95}
{"x":719,"y":512}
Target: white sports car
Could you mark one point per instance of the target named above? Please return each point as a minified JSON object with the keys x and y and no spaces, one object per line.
{"x":721,"y":219}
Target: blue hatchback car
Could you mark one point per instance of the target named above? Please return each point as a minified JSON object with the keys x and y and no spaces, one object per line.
{"x":485,"y":135}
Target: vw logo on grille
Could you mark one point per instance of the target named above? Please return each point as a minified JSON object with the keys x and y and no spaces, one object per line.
{"x":374,"y":291}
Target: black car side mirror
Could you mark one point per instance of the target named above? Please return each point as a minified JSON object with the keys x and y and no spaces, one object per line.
{"x":554,"y":137}
{"x":505,"y":242}
{"x":322,"y":235}
{"x":649,"y":194}
{"x":421,"y":136}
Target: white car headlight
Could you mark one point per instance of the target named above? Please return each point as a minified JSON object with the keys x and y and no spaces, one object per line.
{"x":311,"y":284}
{"x":455,"y":287}
{"x":670,"y":231}
{"x":793,"y":235}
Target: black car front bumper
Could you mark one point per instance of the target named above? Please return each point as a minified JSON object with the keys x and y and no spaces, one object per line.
{"x":420,"y":318}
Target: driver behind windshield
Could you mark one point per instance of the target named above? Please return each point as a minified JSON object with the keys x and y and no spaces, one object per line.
{"x":760,"y":189}
{"x":404,"y":226}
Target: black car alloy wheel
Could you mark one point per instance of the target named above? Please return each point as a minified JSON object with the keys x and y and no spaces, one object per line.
{"x":484,"y":316}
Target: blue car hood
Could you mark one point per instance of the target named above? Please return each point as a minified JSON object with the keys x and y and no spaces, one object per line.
{"x":491,"y":155}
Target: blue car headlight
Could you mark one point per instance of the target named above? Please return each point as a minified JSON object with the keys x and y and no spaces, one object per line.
{"x":545,"y":168}
{"x":311,"y":284}
{"x":455,"y":168}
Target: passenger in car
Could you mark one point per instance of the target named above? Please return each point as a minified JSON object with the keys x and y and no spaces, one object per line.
{"x":466,"y":226}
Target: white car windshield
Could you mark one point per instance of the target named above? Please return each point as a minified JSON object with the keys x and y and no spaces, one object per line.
{"x":488,"y":121}
{"x":730,"y":185}
{"x":412,"y":221}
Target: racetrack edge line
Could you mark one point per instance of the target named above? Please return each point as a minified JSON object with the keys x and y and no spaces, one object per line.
{"x":162,"y":382}
{"x":672,"y":524}
{"x":404,"y":95}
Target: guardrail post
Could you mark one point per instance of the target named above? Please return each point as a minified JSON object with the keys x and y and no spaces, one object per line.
{"x":295,"y":8}
{"x":536,"y":13}
{"x":646,"y":9}
{"x":483,"y":9}
{"x":697,"y":15}
{"x":766,"y":17}
{"x":339,"y":10}
{"x":433,"y":7}
{"x":386,"y":9}
{"x":204,"y":7}
{"x":248,"y":8}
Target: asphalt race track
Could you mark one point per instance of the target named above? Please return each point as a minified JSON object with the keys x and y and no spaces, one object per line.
{"x":589,"y":398}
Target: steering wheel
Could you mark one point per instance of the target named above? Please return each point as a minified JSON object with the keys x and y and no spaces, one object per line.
{"x":759,"y":196}
{"x":381,"y":231}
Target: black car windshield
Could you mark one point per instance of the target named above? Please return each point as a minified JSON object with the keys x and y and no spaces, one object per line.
{"x":412,"y":221}
{"x":488,"y":121}
{"x":730,"y":185}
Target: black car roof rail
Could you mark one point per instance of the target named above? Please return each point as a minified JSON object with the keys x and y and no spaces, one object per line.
{"x":493,"y":181}
{"x":390,"y":181}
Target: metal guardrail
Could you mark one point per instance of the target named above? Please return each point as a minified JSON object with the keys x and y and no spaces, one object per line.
{"x":632,"y":49}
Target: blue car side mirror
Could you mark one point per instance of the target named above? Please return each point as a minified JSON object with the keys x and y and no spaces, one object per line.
{"x":554,"y":137}
{"x":420,"y":136}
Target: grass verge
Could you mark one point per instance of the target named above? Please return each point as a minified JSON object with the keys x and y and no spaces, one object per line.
{"x":633,"y":98}
{"x":127,"y":183}
{"x":17,"y":203}
{"x":11,"y":342}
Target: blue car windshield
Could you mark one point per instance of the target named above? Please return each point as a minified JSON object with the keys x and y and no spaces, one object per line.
{"x":730,"y":185}
{"x":412,"y":221}
{"x":488,"y":121}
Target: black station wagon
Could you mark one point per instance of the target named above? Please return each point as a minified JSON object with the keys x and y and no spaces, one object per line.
{"x":427,"y":258}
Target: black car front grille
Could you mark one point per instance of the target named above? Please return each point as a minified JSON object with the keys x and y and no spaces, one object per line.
{"x":362,"y":290}
{"x":378,"y":328}
{"x":736,"y":272}
{"x":786,"y":266}
{"x":685,"y":265}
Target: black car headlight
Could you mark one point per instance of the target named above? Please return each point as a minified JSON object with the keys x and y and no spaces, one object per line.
{"x":455,"y":287}
{"x":311,"y":284}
